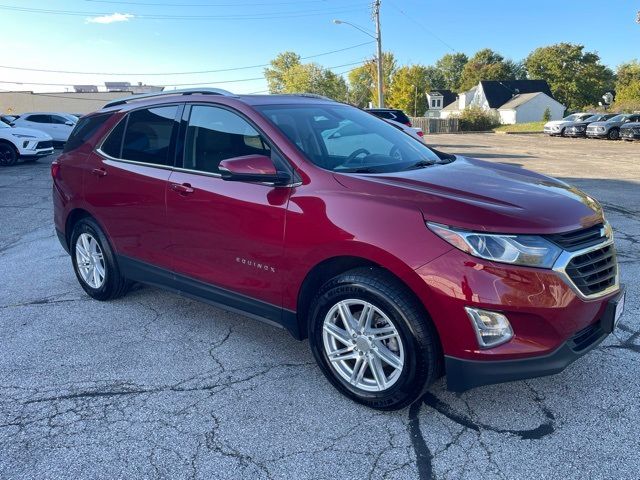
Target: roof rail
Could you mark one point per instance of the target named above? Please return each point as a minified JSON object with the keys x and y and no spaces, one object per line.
{"x":183,"y":91}
{"x":309,"y":95}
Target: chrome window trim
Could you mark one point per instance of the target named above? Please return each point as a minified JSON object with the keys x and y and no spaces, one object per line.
{"x":560,"y":267}
{"x":134,"y":162}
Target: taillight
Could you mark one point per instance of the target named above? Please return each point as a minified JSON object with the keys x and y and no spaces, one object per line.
{"x":55,"y":169}
{"x":408,"y":124}
{"x":420,"y":133}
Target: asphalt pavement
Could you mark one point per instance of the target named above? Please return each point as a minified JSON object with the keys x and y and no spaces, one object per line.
{"x":154,"y":385}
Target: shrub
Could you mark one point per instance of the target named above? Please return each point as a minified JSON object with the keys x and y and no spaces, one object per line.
{"x":626,"y":106}
{"x":546,"y":116}
{"x":477,"y":119}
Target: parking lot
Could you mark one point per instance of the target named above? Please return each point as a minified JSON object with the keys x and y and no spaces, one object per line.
{"x":154,"y":385}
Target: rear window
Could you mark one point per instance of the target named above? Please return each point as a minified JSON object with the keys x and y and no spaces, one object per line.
{"x":144,"y":136}
{"x":84,"y":130}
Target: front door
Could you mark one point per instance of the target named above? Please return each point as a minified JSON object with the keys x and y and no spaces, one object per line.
{"x":226,"y":234}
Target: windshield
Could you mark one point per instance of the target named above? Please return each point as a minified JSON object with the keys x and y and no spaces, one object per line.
{"x":345,"y":139}
{"x":4,"y":125}
{"x":572,"y":118}
{"x":594,"y":118}
{"x":617,"y":118}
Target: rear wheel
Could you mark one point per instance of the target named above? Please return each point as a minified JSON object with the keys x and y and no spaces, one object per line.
{"x":373,"y":340}
{"x":94,"y":263}
{"x":613,"y":134}
{"x":8,"y":154}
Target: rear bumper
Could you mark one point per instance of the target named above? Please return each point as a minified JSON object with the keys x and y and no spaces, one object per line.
{"x":464,"y":374}
{"x":629,"y":136}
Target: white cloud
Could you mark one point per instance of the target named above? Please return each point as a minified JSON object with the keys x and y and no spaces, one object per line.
{"x":114,"y":17}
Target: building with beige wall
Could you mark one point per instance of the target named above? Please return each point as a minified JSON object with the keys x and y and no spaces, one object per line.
{"x":70,"y":102}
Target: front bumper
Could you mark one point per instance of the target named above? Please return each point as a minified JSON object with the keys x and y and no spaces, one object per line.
{"x":464,"y":374}
{"x":592,"y":134}
{"x":552,"y":132}
{"x":626,"y":135}
{"x":575,"y":133}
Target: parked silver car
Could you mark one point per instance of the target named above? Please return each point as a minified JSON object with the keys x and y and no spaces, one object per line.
{"x":557,"y":127}
{"x":611,"y":128}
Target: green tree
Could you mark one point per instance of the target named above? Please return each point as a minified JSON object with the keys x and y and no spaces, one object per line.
{"x":288,"y":75}
{"x":360,"y":86}
{"x":363,"y":81}
{"x":280,"y":65}
{"x":451,"y":66}
{"x":577,"y":78}
{"x":487,"y":65}
{"x":546,"y":116}
{"x":628,"y":82}
{"x":408,"y":89}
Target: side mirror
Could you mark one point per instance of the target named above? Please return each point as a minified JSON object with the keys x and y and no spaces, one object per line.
{"x":69,"y":123}
{"x":252,"y":168}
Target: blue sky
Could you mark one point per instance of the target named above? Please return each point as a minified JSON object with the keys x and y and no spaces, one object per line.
{"x":225,"y":34}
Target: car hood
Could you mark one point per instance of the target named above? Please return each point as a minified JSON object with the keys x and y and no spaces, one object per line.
{"x":29,"y":131}
{"x":479,"y":195}
{"x":557,"y":123}
{"x":605,"y":124}
{"x":631,"y":125}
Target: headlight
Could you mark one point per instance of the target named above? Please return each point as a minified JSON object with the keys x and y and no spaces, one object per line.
{"x":579,"y":129}
{"x":601,"y":129}
{"x":527,"y":250}
{"x":21,"y":135}
{"x":555,"y":127}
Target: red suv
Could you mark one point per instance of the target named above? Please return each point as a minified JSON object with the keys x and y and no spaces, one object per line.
{"x":399,"y":263}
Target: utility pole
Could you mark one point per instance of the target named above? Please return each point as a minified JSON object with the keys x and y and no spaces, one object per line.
{"x":376,"y":15}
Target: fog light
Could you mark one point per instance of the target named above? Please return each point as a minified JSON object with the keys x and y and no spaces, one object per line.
{"x":492,"y":328}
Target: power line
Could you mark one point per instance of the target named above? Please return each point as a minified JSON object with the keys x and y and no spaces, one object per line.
{"x":205,"y":5}
{"x":178,"y":73}
{"x":166,"y":85}
{"x":254,"y":16}
{"x":423,"y":27}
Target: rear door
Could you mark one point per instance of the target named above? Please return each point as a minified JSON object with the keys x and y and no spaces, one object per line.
{"x":40,"y":122}
{"x":126,"y":183}
{"x":226,"y":234}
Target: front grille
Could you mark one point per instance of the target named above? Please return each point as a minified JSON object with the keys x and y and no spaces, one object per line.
{"x":44,"y":144}
{"x":578,"y":239}
{"x":594,"y":271}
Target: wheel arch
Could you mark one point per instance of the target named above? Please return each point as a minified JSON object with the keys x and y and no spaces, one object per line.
{"x":333,"y":266}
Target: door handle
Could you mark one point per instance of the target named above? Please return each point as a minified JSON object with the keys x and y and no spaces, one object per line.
{"x":182,"y":188}
{"x":99,"y":172}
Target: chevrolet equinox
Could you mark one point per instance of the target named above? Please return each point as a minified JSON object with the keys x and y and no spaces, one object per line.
{"x":398,"y":262}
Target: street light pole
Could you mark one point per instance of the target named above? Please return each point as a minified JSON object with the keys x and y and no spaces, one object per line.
{"x":376,"y":13}
{"x":378,"y":38}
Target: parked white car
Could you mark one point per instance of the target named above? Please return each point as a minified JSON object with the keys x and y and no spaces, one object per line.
{"x":557,"y":127}
{"x":25,"y":143}
{"x":58,"y":125}
{"x":415,"y":132}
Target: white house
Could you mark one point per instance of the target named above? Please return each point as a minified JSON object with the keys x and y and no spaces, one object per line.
{"x":515,"y":101}
{"x":436,"y":101}
{"x":526,"y":107}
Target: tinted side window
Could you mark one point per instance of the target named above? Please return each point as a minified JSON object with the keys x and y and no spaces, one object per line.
{"x":84,"y":130}
{"x":112,"y":146}
{"x":58,"y":120}
{"x":149,"y":135}
{"x":38,"y":118}
{"x":215,"y":134}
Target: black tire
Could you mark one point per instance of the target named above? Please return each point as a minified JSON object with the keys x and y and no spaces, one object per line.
{"x":114,"y":284}
{"x":614,"y":134}
{"x":562,"y":132}
{"x":8,"y":154}
{"x":423,"y":354}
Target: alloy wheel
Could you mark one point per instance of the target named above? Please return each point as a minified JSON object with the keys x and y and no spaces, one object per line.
{"x":7,"y":155}
{"x":90,"y":260}
{"x":363,"y":345}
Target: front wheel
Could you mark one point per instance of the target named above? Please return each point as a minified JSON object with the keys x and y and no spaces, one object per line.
{"x":94,"y":263}
{"x":373,"y":340}
{"x":8,"y":155}
{"x":613,"y":134}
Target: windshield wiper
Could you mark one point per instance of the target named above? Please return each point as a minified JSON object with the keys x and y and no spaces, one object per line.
{"x":421,"y":164}
{"x":358,"y":170}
